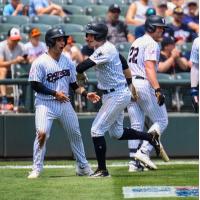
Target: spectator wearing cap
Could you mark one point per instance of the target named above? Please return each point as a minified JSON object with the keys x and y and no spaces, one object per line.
{"x":171,"y":5}
{"x":177,"y":29}
{"x":136,"y":12}
{"x":171,"y":60}
{"x":34,"y":47}
{"x":161,"y":8}
{"x":192,"y":17}
{"x":11,"y":52}
{"x":41,"y":7}
{"x":140,"y":30}
{"x":117,"y":29}
{"x":15,"y":7}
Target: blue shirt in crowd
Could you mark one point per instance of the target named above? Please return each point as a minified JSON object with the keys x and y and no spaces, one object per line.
{"x":36,"y":4}
{"x":9,"y":10}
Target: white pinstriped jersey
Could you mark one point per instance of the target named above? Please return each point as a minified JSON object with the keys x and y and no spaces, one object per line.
{"x":55,"y":75}
{"x":144,"y":48}
{"x":109,"y":71}
{"x":194,"y":57}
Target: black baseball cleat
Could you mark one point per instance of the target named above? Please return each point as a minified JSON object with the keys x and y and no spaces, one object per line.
{"x":99,"y":173}
{"x":155,"y":141}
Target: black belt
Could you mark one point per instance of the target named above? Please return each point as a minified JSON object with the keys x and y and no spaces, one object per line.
{"x":108,"y":91}
{"x":139,"y":77}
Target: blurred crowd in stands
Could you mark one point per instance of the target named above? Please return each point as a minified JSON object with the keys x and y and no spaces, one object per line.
{"x":23,"y":24}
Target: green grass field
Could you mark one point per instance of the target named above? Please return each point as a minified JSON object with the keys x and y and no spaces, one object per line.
{"x":62,"y":184}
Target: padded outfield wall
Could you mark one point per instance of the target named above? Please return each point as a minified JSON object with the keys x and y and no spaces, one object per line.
{"x":17,"y":132}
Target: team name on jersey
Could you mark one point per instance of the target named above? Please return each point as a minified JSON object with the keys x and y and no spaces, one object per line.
{"x":53,"y":77}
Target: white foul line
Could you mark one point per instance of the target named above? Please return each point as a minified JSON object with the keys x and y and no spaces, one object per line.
{"x":114,"y":164}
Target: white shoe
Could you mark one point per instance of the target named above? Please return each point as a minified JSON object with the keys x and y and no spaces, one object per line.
{"x":86,"y":171}
{"x":135,"y":166}
{"x":144,"y":158}
{"x":33,"y":174}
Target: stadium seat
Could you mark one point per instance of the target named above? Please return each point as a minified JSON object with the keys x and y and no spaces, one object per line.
{"x":6,"y":27}
{"x":74,"y":9}
{"x":171,"y":97}
{"x":185,"y":76}
{"x":79,"y":2}
{"x":125,"y":54}
{"x":19,"y":19}
{"x":21,"y":70}
{"x":27,"y":27}
{"x":25,"y":2}
{"x":109,"y":2}
{"x":78,"y":19}
{"x":131,"y":29}
{"x":164,"y":77}
{"x":95,"y":10}
{"x":25,"y":37}
{"x":3,"y":36}
{"x":1,"y":9}
{"x":124,"y":9}
{"x":79,"y":37}
{"x":123,"y":46}
{"x":71,"y":28}
{"x":184,"y":91}
{"x":47,"y":19}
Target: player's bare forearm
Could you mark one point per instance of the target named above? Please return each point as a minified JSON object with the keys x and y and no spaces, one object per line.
{"x":127,"y":73}
{"x":151,"y":74}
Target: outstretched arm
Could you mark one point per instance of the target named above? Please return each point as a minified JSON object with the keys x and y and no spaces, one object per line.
{"x":92,"y":96}
{"x":85,"y":65}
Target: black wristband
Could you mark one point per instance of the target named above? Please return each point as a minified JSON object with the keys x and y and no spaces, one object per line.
{"x":129,"y":81}
{"x":84,"y":93}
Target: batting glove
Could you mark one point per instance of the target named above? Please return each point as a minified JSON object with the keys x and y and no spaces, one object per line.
{"x":160,"y":96}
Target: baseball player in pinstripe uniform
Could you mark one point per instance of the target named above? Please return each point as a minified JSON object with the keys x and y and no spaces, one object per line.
{"x":51,"y":75}
{"x":109,"y":66}
{"x":143,"y":61}
{"x":194,"y":58}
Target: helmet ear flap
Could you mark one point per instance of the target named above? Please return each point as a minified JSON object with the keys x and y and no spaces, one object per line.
{"x":50,"y":42}
{"x":150,"y":28}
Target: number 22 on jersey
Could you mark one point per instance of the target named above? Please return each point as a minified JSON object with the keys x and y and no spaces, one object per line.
{"x":133,"y":55}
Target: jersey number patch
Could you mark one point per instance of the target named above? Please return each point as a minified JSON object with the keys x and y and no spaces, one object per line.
{"x":133,"y":54}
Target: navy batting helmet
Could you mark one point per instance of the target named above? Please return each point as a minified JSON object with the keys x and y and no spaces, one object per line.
{"x":54,"y":33}
{"x":99,"y":30}
{"x":154,"y":21}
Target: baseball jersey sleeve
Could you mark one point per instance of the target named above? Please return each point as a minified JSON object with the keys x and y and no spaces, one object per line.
{"x":36,"y":72}
{"x":152,"y":52}
{"x":100,"y":57}
{"x":73,"y":73}
{"x":194,"y":57}
{"x":1,"y":51}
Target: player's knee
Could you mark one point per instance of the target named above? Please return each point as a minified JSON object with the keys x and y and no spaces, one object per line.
{"x":165,"y":123}
{"x":115,"y":134}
